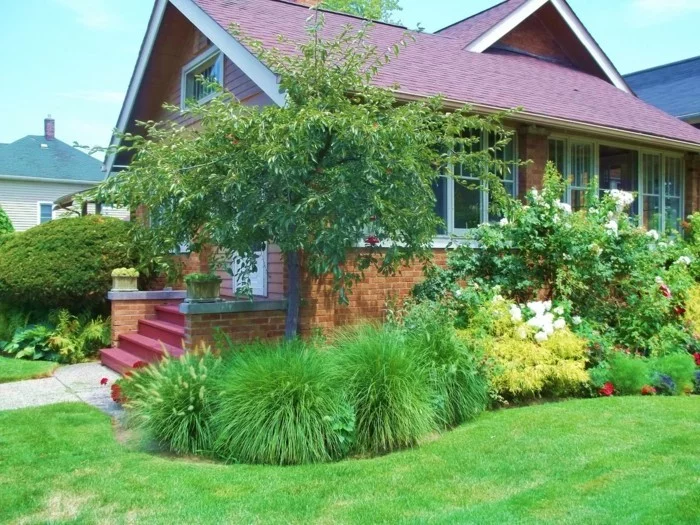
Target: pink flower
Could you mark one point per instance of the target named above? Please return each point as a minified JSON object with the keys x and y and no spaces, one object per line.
{"x":104,"y":381}
{"x":665,"y":291}
{"x":679,"y":310}
{"x":696,"y":356}
{"x":607,"y":389}
{"x":372,"y":240}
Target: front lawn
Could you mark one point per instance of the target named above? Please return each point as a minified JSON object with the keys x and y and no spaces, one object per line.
{"x":19,"y":369}
{"x":607,"y":460}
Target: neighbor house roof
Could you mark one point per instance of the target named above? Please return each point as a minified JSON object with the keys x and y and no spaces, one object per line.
{"x":35,"y":157}
{"x":675,"y":87}
{"x":437,"y":64}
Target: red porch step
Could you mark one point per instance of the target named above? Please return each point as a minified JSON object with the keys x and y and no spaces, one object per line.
{"x":169,"y":333}
{"x":118,"y":359}
{"x":170,"y":314}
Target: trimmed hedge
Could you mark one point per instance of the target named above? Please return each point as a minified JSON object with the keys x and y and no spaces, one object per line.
{"x":5,"y":223}
{"x":65,"y":263}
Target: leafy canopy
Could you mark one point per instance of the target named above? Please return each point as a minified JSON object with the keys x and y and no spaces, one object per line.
{"x":343,"y":159}
{"x":383,"y":10}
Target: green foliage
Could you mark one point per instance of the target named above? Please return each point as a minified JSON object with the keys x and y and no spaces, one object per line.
{"x":458,"y":381}
{"x":125,"y":272}
{"x":11,"y":320}
{"x":5,"y":224}
{"x":173,"y":401}
{"x":388,"y":387}
{"x":65,"y":263}
{"x":64,"y":337}
{"x":680,"y":368}
{"x":279,"y":406}
{"x":383,"y":10}
{"x":629,"y":373}
{"x":341,"y":156}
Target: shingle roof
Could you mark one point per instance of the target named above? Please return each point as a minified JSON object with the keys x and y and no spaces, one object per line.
{"x":471,"y":28}
{"x":438,"y":64}
{"x":26,"y":158}
{"x":675,"y":88}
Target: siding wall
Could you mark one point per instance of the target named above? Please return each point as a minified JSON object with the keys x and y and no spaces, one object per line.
{"x":20,"y":200}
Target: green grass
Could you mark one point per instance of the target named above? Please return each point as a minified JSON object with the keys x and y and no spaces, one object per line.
{"x":18,"y":369}
{"x":614,"y":460}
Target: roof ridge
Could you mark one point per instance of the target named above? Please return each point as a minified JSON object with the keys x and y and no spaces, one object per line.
{"x":663,"y":66}
{"x":472,"y":16}
{"x":349,"y":15}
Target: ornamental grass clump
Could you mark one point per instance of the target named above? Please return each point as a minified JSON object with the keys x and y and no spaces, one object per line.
{"x":280,"y":406}
{"x":628,"y":373}
{"x":387,"y":384}
{"x":679,"y":368}
{"x":173,"y":401}
{"x":460,"y":387}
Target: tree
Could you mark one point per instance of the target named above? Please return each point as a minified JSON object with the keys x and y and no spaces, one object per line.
{"x":5,"y":223}
{"x":383,"y":10}
{"x":342,"y":161}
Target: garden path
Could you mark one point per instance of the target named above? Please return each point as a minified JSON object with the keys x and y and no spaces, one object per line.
{"x":72,"y":383}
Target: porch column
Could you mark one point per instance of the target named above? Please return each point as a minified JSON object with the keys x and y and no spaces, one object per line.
{"x":692,"y":183}
{"x":533,"y":146}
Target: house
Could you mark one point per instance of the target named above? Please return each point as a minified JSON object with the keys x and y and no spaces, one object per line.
{"x":674,"y":88}
{"x":577,"y":111}
{"x":38,"y":170}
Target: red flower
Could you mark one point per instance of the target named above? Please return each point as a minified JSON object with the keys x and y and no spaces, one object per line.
{"x":104,"y":381}
{"x":679,"y":310}
{"x":696,"y":355}
{"x":140,"y":364}
{"x":648,"y":390}
{"x":607,"y":389}
{"x":372,"y":240}
{"x":665,"y":291}
{"x":117,"y":396}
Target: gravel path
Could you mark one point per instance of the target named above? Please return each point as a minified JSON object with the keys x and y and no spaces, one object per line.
{"x":72,"y":383}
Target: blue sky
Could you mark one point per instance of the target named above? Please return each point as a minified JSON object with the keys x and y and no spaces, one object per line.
{"x":74,"y":58}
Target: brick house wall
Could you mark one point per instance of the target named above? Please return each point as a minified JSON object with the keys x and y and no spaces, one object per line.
{"x":125,"y":315}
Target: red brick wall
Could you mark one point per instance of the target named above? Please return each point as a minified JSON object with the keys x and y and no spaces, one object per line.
{"x":533,"y":144}
{"x":126,"y":314}
{"x":240,"y":326}
{"x":532,"y":36}
{"x":692,"y":183}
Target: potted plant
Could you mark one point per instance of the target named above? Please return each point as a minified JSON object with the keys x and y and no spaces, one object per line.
{"x":202,"y":287}
{"x":125,"y":280}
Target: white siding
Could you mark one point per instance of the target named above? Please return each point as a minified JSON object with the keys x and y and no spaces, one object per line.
{"x":20,"y":200}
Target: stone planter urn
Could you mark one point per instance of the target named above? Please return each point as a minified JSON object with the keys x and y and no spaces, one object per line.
{"x":203,"y":288}
{"x":125,"y":280}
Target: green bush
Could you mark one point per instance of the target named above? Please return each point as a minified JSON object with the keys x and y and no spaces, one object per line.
{"x":5,"y":224}
{"x":387,"y":385}
{"x":680,"y":368}
{"x":459,"y":385}
{"x":629,"y":373}
{"x":279,"y":406}
{"x":173,"y":401}
{"x":65,"y":263}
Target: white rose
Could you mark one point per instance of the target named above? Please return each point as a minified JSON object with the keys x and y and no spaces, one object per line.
{"x":653,"y":234}
{"x":658,"y":280}
{"x":559,"y":310}
{"x":684,"y":259}
{"x":576,"y":320}
{"x":541,"y":337}
{"x":503,"y":222}
{"x":559,"y":324}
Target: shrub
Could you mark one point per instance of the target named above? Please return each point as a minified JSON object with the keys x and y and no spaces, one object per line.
{"x":65,"y":263}
{"x":459,"y":385}
{"x":173,"y":401}
{"x":5,"y":223}
{"x":280,"y":406}
{"x":629,"y":373}
{"x":680,"y":368}
{"x":388,"y":387}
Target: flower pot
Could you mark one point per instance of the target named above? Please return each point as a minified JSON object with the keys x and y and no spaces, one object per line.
{"x":203,"y":291}
{"x":124,"y":284}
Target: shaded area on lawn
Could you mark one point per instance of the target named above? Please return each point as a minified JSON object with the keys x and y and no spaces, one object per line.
{"x":622,"y":460}
{"x":20,"y":369}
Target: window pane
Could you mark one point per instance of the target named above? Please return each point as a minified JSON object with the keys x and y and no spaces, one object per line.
{"x":652,"y":212}
{"x":467,"y":205}
{"x":45,"y":213}
{"x":651,"y":191}
{"x":556,"y":155}
{"x":673,"y":193}
{"x":578,"y":199}
{"x":210,"y":70}
{"x":618,"y":171}
{"x":581,"y":165}
{"x":440,"y":189}
{"x":673,"y":214}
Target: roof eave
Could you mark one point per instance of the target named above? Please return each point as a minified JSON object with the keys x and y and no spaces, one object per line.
{"x":545,"y":120}
{"x":24,"y":178}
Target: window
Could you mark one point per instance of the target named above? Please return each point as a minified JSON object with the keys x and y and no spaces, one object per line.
{"x":209,"y":65}
{"x":463,"y":201}
{"x":656,"y":178}
{"x":45,"y":212}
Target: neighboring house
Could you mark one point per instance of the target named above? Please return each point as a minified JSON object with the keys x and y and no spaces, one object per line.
{"x":577,"y":110}
{"x":674,"y":88}
{"x":38,"y":169}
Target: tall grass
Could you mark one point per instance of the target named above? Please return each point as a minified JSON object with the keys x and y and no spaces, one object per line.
{"x":173,"y":401}
{"x":460,"y":387}
{"x":387,"y":385}
{"x":279,"y":405}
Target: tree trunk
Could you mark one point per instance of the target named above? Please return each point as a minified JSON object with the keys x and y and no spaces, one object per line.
{"x":291,"y":326}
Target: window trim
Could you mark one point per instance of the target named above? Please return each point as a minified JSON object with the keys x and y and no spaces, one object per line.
{"x":193,"y":64}
{"x":39,"y":204}
{"x":450,"y":230}
{"x":641,"y":150}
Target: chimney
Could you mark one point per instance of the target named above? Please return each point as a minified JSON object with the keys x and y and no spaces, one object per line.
{"x":49,"y":128}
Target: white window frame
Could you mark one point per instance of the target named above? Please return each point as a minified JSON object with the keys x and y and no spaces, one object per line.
{"x":195,"y":63}
{"x":664,"y":154}
{"x":39,"y":204}
{"x":450,"y":230}
{"x":262,"y":258}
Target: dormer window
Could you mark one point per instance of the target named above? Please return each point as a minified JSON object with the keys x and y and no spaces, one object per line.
{"x":209,"y":65}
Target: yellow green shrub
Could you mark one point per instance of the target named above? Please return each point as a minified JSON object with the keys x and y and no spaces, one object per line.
{"x":692,"y":307}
